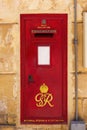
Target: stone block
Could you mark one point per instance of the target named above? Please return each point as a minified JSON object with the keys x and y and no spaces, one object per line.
{"x":7,"y":48}
{"x":85,"y":109}
{"x":20,"y":128}
{"x":3,"y":118}
{"x":53,"y":128}
{"x":80,"y":44}
{"x":83,"y":3}
{"x":6,"y":94}
{"x":46,"y":5}
{"x":11,"y":119}
{"x":61,"y":5}
{"x":7,"y":128}
{"x":79,"y":47}
{"x":64,"y":127}
{"x":82,"y":85}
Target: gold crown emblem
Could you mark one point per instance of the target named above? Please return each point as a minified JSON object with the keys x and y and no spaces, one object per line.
{"x":44,"y":88}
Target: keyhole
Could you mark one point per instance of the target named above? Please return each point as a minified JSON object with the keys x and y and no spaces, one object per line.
{"x":30,"y":78}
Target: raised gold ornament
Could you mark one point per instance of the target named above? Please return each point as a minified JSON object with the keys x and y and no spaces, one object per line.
{"x":43,"y":98}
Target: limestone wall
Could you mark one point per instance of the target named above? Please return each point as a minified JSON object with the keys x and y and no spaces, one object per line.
{"x":10,"y":11}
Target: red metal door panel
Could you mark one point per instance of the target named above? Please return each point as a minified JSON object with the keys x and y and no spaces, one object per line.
{"x":43,"y":76}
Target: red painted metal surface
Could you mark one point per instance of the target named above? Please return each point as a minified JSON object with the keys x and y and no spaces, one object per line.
{"x":43,"y":87}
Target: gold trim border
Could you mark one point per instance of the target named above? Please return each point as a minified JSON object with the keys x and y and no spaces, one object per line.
{"x":43,"y":121}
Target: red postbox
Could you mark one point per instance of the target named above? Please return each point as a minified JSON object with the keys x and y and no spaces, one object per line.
{"x":43,"y":68}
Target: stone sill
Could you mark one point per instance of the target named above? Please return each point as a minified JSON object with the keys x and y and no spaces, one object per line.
{"x":6,"y":124}
{"x":8,"y":23}
{"x":7,"y":73}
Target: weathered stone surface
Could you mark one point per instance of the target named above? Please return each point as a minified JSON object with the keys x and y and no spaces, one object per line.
{"x":10,"y":10}
{"x":64,"y":127}
{"x":7,"y":48}
{"x":83,"y":3}
{"x":62,"y":4}
{"x":85,"y":109}
{"x":80,"y":48}
{"x":82,"y":85}
{"x":11,"y":119}
{"x":6,"y":94}
{"x":3,"y":118}
{"x":8,"y":128}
